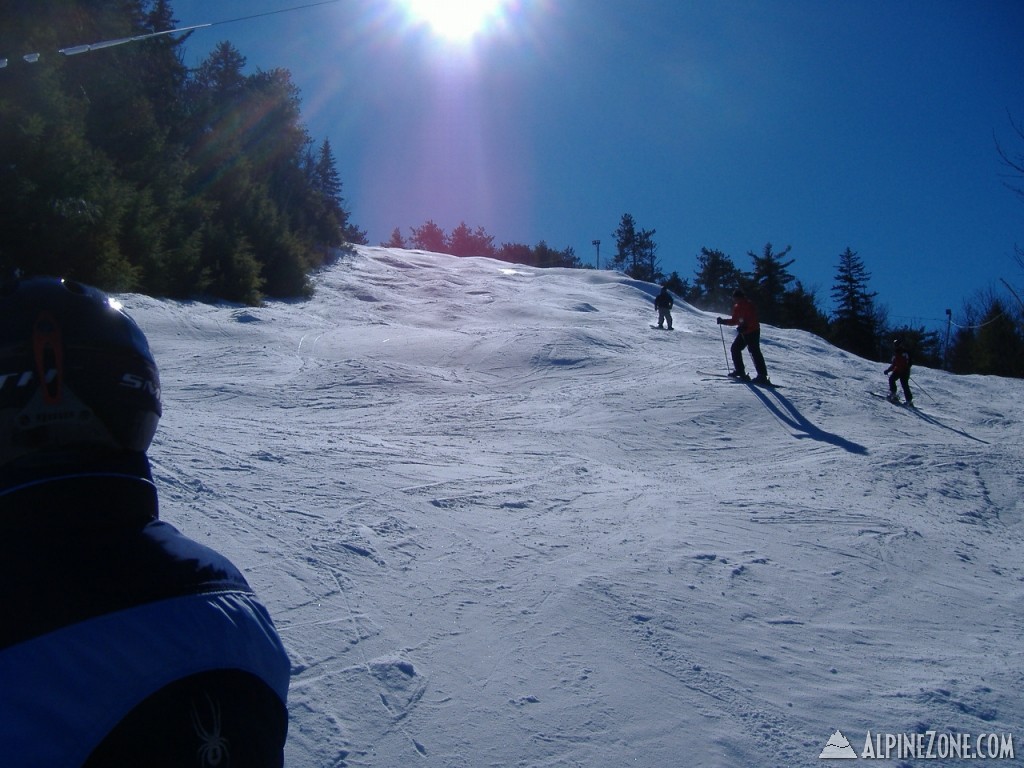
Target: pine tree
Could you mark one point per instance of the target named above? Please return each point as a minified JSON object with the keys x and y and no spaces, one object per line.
{"x":396,"y":240}
{"x":925,"y":346}
{"x":715,"y":280}
{"x":429,"y":237}
{"x":800,"y":310}
{"x":163,"y":74}
{"x":466,"y":242}
{"x":625,"y":243}
{"x":516,"y":253}
{"x":335,"y":227}
{"x":126,"y":170}
{"x":771,"y":280}
{"x":636,"y":251}
{"x":678,"y":285}
{"x":854,"y":324}
{"x":646,"y":260}
{"x":989,"y":341}
{"x":329,"y":185}
{"x":546,"y":256}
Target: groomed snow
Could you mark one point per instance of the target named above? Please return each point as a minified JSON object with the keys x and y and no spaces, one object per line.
{"x":500,"y":521}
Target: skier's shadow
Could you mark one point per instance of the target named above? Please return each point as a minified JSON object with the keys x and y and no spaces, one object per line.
{"x":787,"y":413}
{"x":935,"y":422}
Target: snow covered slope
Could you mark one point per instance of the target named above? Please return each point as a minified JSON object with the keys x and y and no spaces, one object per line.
{"x":500,"y":521}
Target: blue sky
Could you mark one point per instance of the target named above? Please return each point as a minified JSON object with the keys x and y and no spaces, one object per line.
{"x":724,"y":124}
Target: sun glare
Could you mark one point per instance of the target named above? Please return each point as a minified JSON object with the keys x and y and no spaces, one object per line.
{"x":456,"y":20}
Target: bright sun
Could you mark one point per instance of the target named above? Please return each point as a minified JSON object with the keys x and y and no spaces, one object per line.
{"x":458,"y":20}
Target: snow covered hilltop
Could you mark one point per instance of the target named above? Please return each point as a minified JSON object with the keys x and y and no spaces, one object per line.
{"x":500,"y":521}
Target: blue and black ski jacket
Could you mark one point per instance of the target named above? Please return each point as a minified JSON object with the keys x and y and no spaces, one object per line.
{"x":121,"y":639}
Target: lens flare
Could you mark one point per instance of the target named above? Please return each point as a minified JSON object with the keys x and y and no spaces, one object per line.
{"x":456,"y":20}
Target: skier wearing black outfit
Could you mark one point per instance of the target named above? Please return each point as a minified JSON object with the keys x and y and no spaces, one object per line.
{"x":663,"y":303}
{"x":123,"y":643}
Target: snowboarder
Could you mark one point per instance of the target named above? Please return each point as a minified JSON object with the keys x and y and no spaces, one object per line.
{"x":899,"y":370}
{"x":122,"y":642}
{"x":748,"y":335}
{"x":663,"y":303}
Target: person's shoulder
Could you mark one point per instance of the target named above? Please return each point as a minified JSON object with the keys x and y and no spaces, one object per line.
{"x":176,"y":559}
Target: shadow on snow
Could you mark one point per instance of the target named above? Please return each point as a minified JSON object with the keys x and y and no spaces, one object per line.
{"x":787,"y":413}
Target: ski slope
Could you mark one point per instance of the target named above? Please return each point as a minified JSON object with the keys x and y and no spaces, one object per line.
{"x":499,"y":521}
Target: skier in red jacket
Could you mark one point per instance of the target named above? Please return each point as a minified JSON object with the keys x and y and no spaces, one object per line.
{"x":744,"y":317}
{"x":899,"y":371}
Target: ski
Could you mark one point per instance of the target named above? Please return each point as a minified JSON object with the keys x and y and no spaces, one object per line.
{"x":899,"y":403}
{"x":659,"y":328}
{"x":748,"y":380}
{"x":717,"y":375}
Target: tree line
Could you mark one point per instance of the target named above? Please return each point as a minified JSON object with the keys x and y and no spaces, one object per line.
{"x":126,"y":169}
{"x":465,"y":241}
{"x":989,"y":340}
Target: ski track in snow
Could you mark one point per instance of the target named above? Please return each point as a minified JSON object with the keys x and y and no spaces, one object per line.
{"x":499,"y":521}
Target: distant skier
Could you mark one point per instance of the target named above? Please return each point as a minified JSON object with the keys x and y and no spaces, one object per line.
{"x":663,"y":303}
{"x":744,"y":317}
{"x":123,"y":643}
{"x":899,"y":371}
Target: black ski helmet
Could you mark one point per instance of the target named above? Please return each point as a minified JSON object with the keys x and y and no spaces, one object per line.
{"x":76,"y":373}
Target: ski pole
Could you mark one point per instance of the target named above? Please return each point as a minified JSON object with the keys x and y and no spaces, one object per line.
{"x":922,"y":389}
{"x":723,"y":348}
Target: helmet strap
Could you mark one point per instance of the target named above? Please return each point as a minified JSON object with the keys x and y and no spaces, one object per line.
{"x":49,"y":357}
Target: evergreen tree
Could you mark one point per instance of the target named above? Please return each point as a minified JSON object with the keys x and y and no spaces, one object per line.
{"x":800,"y":310}
{"x":715,"y":280}
{"x":998,"y":348}
{"x":647,"y":267}
{"x":569,"y":259}
{"x":325,"y":174}
{"x":429,"y":237}
{"x":677,"y":285}
{"x":61,"y":202}
{"x":322,"y":214}
{"x":990,"y":341}
{"x":855,"y":322}
{"x":546,"y":256}
{"x":123,"y":169}
{"x":625,"y":243}
{"x":924,"y":345}
{"x":960,"y":353}
{"x":220,"y":76}
{"x":327,"y":182}
{"x":636,"y":251}
{"x":516,"y":253}
{"x":163,"y":73}
{"x":466,"y":242}
{"x":771,"y":279}
{"x":396,"y":240}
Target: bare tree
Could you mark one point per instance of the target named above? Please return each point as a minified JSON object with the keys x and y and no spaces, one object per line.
{"x":1014,"y":161}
